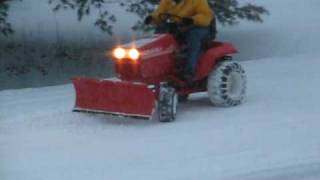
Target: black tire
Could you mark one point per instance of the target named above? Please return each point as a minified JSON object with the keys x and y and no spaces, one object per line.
{"x":167,"y":104}
{"x":227,"y":84}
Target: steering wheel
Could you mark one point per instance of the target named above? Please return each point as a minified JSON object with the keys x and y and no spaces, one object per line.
{"x":172,"y":24}
{"x":170,"y":18}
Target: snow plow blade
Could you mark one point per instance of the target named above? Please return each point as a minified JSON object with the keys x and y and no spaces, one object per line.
{"x":114,"y":97}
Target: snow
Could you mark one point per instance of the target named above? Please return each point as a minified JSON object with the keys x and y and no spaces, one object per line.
{"x":273,"y":135}
{"x":63,"y":25}
{"x":276,"y":128}
{"x":292,"y":28}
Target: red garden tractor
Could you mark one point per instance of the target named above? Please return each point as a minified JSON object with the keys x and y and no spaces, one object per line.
{"x":149,"y":77}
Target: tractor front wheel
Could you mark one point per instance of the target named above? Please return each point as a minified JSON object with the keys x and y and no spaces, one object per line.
{"x":167,"y":104}
{"x":227,"y":84}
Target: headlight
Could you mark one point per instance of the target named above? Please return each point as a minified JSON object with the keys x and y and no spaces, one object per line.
{"x":134,"y":54}
{"x":119,"y":53}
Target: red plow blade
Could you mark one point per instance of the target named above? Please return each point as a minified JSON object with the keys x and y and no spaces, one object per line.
{"x":114,"y":97}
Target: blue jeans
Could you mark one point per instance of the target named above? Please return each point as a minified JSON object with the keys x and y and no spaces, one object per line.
{"x":193,"y":40}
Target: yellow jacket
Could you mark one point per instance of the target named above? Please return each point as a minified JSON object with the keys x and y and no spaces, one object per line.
{"x":198,"y":10}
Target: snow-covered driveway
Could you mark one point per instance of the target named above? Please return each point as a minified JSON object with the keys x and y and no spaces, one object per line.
{"x":273,"y":135}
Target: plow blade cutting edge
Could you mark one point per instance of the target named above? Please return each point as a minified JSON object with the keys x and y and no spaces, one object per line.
{"x":114,"y":97}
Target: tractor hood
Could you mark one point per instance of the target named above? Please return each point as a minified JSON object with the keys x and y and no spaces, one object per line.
{"x":155,"y":62}
{"x":153,"y":46}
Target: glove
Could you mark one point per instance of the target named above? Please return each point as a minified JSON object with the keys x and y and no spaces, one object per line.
{"x":187,"y":21}
{"x":148,"y":20}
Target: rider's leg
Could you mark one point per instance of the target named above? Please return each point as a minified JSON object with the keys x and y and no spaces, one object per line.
{"x":194,"y":37}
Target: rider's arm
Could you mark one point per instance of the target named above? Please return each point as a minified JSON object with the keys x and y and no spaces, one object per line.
{"x":162,"y":8}
{"x":204,"y":14}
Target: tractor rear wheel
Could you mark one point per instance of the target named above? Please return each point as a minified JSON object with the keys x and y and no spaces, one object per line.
{"x":167,"y":104}
{"x":227,"y":84}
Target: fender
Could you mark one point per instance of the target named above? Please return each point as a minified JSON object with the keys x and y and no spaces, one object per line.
{"x":209,"y":58}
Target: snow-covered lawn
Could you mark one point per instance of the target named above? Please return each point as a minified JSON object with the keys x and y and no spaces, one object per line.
{"x":274,"y":134}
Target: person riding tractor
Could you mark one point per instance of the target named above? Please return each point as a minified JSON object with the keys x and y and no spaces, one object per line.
{"x":195,"y":14}
{"x":155,"y":72}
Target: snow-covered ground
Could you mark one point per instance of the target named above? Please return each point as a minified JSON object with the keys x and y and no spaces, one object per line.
{"x":274,"y":135}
